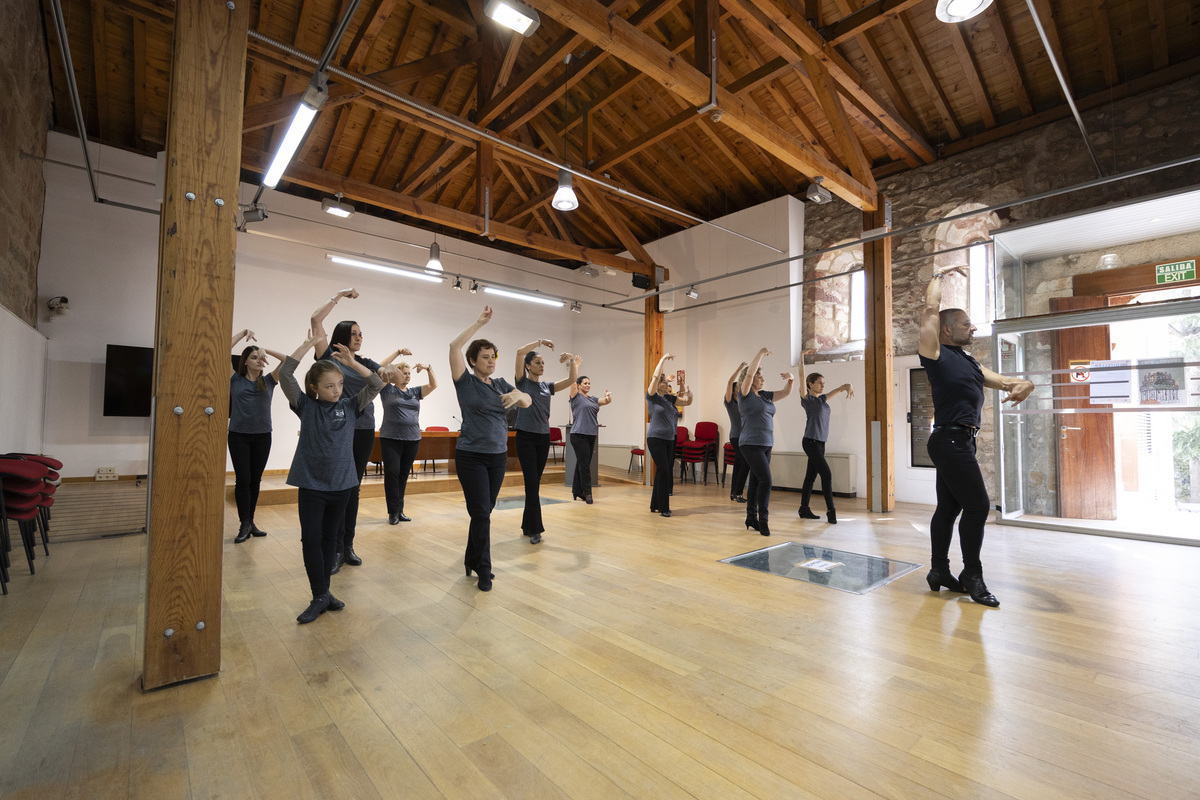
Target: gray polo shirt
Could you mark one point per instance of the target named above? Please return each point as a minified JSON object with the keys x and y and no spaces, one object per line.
{"x":664,"y":416}
{"x":249,"y":406}
{"x":735,"y":418}
{"x":324,"y":459}
{"x":401,"y":413}
{"x":352,"y":384}
{"x":484,"y":418}
{"x":817,"y":409}
{"x":584,"y":413}
{"x":758,"y":419}
{"x":536,"y":418}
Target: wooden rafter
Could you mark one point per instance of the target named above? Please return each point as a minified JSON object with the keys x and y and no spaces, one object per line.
{"x":1046,"y":14}
{"x":966,"y":59}
{"x":1158,"y":34}
{"x":646,"y":55}
{"x":368,"y":31}
{"x":848,"y":145}
{"x":916,"y":55}
{"x":100,"y":68}
{"x":864,"y":19}
{"x":883,"y":73}
{"x":139,"y":79}
{"x":1104,"y":43}
{"x":1002,"y":36}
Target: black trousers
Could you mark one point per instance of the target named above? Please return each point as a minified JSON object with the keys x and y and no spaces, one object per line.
{"x":364,"y":442}
{"x":817,"y":467}
{"x":398,"y":457}
{"x":960,"y":489}
{"x":758,"y":493}
{"x":532,"y":451}
{"x":740,"y":470}
{"x":481,"y":476}
{"x":320,"y":515}
{"x":584,"y":444}
{"x":662,"y":452}
{"x":249,"y":452}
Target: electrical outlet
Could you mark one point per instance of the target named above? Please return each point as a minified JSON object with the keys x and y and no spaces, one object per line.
{"x":107,"y":474}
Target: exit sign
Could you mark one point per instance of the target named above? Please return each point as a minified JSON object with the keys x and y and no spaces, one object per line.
{"x":1175,"y":272}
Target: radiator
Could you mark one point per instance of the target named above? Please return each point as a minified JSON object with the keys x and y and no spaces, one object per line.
{"x":787,"y":471}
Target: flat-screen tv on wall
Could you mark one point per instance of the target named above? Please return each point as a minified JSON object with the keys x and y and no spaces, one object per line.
{"x":128,"y":381}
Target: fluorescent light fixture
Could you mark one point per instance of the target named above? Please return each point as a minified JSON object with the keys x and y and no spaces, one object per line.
{"x":371,"y":265}
{"x":336,"y":207}
{"x":314,"y":97}
{"x":435,"y":259}
{"x":953,"y":11}
{"x":514,"y":14}
{"x":564,"y":198}
{"x":692,"y":293}
{"x":546,"y":301}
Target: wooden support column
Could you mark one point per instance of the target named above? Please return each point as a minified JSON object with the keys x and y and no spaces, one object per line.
{"x":654,"y":351}
{"x":877,"y":263}
{"x":191,"y":344}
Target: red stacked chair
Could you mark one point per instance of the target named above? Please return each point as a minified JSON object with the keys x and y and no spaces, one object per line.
{"x":700,"y":450}
{"x":729,"y":459}
{"x":23,"y":482}
{"x":51,"y":481}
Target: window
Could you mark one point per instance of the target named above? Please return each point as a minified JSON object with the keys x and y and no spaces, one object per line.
{"x":980,"y":263}
{"x":858,"y":305}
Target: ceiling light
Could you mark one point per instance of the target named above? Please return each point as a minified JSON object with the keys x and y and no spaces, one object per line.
{"x":513,"y":14}
{"x":474,"y":287}
{"x":314,"y":97}
{"x":817,"y":193}
{"x":610,"y":270}
{"x":692,"y":293}
{"x":576,"y":307}
{"x":546,"y":301}
{"x":589,"y":271}
{"x":337,"y":207}
{"x":371,"y":265}
{"x":564,"y":198}
{"x":435,"y":259}
{"x":253,"y":213}
{"x":960,"y":10}
{"x":457,"y":285}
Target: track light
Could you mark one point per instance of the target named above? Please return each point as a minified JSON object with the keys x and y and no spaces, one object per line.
{"x":336,"y":207}
{"x":371,"y":265}
{"x":513,"y":14}
{"x":435,"y":259}
{"x":817,"y":193}
{"x":564,"y":198}
{"x":692,"y":293}
{"x":314,"y":97}
{"x":589,"y":271}
{"x":474,"y":287}
{"x":546,"y":301}
{"x":457,"y":285}
{"x":253,"y":213}
{"x":576,"y":307}
{"x":953,"y":11}
{"x":610,"y":270}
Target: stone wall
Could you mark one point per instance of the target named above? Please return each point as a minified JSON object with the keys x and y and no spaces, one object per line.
{"x":24,"y":120}
{"x":1150,"y":129}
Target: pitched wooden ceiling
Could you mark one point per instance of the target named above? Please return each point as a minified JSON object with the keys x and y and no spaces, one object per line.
{"x":441,"y":102}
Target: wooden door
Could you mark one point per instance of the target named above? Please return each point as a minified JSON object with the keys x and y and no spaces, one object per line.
{"x":1087,"y":478}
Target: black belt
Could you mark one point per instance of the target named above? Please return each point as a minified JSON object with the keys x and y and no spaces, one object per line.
{"x":971,"y":431}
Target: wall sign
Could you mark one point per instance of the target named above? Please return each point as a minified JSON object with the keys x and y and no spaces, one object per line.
{"x":1175,"y":272}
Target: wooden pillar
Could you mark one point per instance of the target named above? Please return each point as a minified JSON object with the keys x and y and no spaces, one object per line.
{"x":654,"y":351}
{"x":705,"y":18}
{"x":194,"y":318}
{"x":877,"y":263}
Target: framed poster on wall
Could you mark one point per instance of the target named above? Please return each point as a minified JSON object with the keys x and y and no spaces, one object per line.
{"x":920,"y":418}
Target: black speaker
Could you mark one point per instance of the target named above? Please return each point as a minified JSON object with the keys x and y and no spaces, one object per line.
{"x":640,"y":281}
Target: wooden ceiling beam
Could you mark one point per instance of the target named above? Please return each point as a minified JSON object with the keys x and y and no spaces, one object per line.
{"x":100,"y":70}
{"x":360,"y":191}
{"x":1159,"y":46}
{"x":1104,"y":42}
{"x":784,"y":22}
{"x":646,"y":55}
{"x":916,"y":56}
{"x":715,"y":134}
{"x":883,"y":73}
{"x":970,"y":68}
{"x":1046,"y":14}
{"x":367,"y":33}
{"x":848,"y":145}
{"x":139,"y":78}
{"x":1002,"y":36}
{"x":433,"y":64}
{"x":272,"y":112}
{"x":862,"y":20}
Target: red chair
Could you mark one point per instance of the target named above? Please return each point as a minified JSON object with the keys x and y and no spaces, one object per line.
{"x":700,"y":450}
{"x":22,"y":483}
{"x":729,"y":459}
{"x":640,"y":454}
{"x":556,"y":440}
{"x":425,"y":462}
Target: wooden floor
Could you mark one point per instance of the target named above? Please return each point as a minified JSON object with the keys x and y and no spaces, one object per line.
{"x":618,"y":658}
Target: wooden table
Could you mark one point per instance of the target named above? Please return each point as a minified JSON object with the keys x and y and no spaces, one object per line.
{"x":440,"y":445}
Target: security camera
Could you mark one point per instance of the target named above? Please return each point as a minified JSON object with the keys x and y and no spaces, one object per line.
{"x":817,"y":193}
{"x":59,"y":305}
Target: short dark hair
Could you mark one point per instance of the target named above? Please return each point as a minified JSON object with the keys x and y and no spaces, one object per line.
{"x":341,"y":333}
{"x":812,"y":378}
{"x":261,"y":383}
{"x":314,"y":374}
{"x":475,"y":347}
{"x":946,"y":316}
{"x":580,"y":379}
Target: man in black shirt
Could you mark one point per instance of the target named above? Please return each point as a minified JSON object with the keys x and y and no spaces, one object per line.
{"x":957,"y":381}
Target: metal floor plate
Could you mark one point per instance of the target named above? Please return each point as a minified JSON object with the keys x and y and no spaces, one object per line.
{"x":506,"y":503}
{"x":826,"y":566}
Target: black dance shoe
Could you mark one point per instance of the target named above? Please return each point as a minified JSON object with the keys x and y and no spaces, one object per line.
{"x":752,"y":523}
{"x":337,"y":564}
{"x":937,"y":578}
{"x":763,"y":530}
{"x":352,"y":557}
{"x":403,"y":518}
{"x":254,"y":530}
{"x":485,"y":582}
{"x":393,"y":519}
{"x":974,"y":586}
{"x":315,"y":609}
{"x":831,"y":515}
{"x":334,"y":603}
{"x":664,"y":513}
{"x":588,"y":499}
{"x":737,"y":498}
{"x":535,"y":538}
{"x":243,"y":533}
{"x":806,"y":513}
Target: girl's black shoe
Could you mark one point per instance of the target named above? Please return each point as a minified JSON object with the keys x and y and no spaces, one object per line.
{"x":254,"y":531}
{"x":806,"y":513}
{"x":974,"y":586}
{"x":831,"y":515}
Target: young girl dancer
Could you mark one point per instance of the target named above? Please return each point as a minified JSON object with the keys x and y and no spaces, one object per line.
{"x":323,"y":466}
{"x":251,"y":388}
{"x":584,"y":430}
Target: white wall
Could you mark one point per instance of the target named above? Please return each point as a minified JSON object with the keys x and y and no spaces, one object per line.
{"x":913,"y":484}
{"x":22,"y":387}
